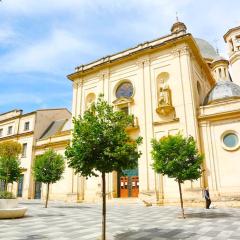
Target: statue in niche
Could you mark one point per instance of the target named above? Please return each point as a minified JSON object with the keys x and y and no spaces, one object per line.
{"x":164,"y":95}
{"x":164,"y":100}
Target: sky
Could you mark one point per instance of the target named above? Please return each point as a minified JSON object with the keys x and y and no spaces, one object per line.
{"x":42,"y":41}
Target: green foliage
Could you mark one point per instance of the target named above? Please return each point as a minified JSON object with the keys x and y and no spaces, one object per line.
{"x":10,"y":149}
{"x":48,"y":167}
{"x":6,"y":195}
{"x":9,"y":164}
{"x":177,"y":157}
{"x":101,"y":143}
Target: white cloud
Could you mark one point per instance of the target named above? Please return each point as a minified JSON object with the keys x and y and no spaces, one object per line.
{"x":19,"y":98}
{"x":47,"y":54}
{"x":28,"y":7}
{"x":134,"y":20}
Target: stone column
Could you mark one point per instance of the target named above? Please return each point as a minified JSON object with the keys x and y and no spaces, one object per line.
{"x":146,"y":174}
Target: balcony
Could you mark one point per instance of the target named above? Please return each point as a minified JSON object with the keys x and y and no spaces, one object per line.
{"x":134,"y":125}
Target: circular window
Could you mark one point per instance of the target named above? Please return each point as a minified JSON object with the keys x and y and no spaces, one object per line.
{"x":124,"y":90}
{"x":231,"y":141}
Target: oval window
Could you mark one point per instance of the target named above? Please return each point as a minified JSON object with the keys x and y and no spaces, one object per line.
{"x":124,"y":90}
{"x":230,"y":140}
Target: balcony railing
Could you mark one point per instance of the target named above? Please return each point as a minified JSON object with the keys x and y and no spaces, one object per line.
{"x":134,"y":124}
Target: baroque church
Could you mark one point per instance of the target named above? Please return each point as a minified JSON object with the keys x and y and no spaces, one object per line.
{"x":176,"y":83}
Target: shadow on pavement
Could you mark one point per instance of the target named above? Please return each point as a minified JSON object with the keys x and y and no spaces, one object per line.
{"x":77,"y":207}
{"x":207,"y":215}
{"x":37,"y":237}
{"x":31,"y":203}
{"x":155,"y":233}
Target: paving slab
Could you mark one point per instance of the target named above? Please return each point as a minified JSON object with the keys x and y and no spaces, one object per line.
{"x":62,"y":221}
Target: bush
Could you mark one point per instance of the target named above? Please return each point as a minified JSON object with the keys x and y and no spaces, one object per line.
{"x":6,"y":195}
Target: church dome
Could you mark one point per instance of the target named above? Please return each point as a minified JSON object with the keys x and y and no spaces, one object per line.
{"x":223,"y":90}
{"x":206,"y":49}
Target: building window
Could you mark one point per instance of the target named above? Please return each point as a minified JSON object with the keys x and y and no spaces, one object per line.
{"x":26,"y":126}
{"x":124,"y":90}
{"x":24,"y":150}
{"x":10,"y":128}
{"x":230,"y":141}
{"x":1,"y":132}
{"x":20,"y":186}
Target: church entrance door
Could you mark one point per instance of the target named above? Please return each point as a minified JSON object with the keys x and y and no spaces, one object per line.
{"x":129,"y":184}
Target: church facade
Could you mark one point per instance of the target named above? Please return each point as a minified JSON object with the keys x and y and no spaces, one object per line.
{"x":173,"y":84}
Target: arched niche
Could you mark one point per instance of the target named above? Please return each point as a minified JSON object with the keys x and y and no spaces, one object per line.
{"x":164,"y":106}
{"x":162,"y":79}
{"x":90,"y":98}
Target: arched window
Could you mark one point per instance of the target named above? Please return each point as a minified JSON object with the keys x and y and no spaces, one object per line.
{"x":124,"y":90}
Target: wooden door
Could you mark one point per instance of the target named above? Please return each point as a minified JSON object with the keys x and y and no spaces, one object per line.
{"x":135,"y":186}
{"x":123,"y":187}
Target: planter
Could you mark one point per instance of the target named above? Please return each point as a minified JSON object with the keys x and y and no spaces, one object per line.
{"x":9,"y":209}
{"x":8,"y":203}
{"x":12,"y":212}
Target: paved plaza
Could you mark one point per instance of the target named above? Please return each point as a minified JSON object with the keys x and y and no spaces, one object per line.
{"x":63,"y":221}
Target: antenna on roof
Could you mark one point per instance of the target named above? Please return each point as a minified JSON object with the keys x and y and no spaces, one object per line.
{"x":177,"y":17}
{"x":216,"y":40}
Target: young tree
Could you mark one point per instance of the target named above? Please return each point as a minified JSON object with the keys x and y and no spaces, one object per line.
{"x":177,"y":157}
{"x":48,"y":168}
{"x":101,"y":145}
{"x":9,"y":163}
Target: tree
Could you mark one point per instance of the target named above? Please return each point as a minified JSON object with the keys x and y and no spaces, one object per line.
{"x":177,"y":157}
{"x":48,"y":168}
{"x":9,"y":163}
{"x":101,"y":144}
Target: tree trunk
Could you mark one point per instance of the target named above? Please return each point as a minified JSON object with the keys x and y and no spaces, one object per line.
{"x":5,"y":185}
{"x":181,"y":199}
{"x":103,"y":207}
{"x":46,"y":203}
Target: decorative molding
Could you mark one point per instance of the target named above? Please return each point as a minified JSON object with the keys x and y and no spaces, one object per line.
{"x":139,"y":64}
{"x":16,"y":136}
{"x":165,"y":110}
{"x":123,"y":101}
{"x":62,"y":143}
{"x":147,"y":62}
{"x":185,"y":51}
{"x":181,"y":51}
{"x":175,"y":52}
{"x":75,"y":85}
{"x":166,"y":122}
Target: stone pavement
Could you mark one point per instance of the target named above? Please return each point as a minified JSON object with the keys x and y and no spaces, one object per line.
{"x":124,"y":222}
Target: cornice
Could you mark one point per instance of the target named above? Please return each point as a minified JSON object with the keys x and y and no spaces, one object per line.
{"x":148,"y":48}
{"x":16,"y":136}
{"x":17,"y":117}
{"x":220,"y":116}
{"x":127,"y":54}
{"x":62,"y":143}
{"x":235,"y":57}
{"x":166,"y":122}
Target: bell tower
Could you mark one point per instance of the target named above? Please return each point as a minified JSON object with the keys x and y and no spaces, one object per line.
{"x":232,"y":38}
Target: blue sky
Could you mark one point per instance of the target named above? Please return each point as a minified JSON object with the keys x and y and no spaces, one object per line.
{"x":43,"y":41}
